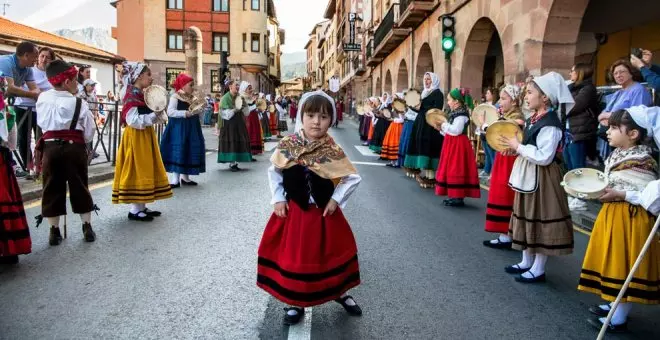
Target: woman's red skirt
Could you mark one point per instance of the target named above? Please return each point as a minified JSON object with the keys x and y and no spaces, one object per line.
{"x":390,"y":150}
{"x":274,"y":122}
{"x":457,"y":175}
{"x":14,"y":232}
{"x":500,"y":195}
{"x":306,"y":259}
{"x":371,"y":130}
{"x":254,"y":130}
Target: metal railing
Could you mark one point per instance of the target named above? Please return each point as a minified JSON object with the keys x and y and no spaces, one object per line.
{"x":403,"y":6}
{"x":386,"y":25}
{"x":370,"y":49}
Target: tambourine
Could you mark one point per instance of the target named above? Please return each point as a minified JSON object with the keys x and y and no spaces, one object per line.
{"x":435,"y":117}
{"x":360,"y":110}
{"x":399,"y":105}
{"x":197,"y":104}
{"x":413,"y":98}
{"x":386,"y":113}
{"x":585,"y":183}
{"x":156,"y":98}
{"x":238,"y":103}
{"x":484,"y":114}
{"x":271,"y":108}
{"x":502,"y":128}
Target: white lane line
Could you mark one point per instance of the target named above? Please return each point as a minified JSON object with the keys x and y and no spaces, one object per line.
{"x":303,"y":330}
{"x":365,"y":151}
{"x":270,"y":146}
{"x":369,"y":163}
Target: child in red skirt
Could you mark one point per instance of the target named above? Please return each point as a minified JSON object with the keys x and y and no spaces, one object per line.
{"x":500,"y":195}
{"x":457,"y":171}
{"x":308,"y":254}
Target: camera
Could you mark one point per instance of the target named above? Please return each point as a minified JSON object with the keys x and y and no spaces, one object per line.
{"x":637,"y":52}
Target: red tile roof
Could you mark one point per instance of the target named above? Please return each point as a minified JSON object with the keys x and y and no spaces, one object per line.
{"x":15,"y":32}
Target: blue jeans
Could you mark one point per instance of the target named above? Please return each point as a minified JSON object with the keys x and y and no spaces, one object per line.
{"x":489,"y":154}
{"x":575,"y":154}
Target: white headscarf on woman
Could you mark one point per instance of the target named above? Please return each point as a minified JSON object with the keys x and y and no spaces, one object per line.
{"x":554,"y":87}
{"x":649,"y":118}
{"x":130,"y":72}
{"x":301,"y":103}
{"x":435,"y":84}
{"x":243,"y":87}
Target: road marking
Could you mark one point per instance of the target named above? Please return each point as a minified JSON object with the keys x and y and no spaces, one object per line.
{"x":369,"y":163}
{"x":270,"y":146}
{"x":365,"y":151}
{"x":303,"y":330}
{"x":209,"y":152}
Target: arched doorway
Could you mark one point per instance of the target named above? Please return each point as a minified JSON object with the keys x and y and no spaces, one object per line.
{"x":424,"y":64}
{"x":378,"y":90}
{"x":388,"y":82}
{"x":483,"y":60}
{"x":402,"y":77}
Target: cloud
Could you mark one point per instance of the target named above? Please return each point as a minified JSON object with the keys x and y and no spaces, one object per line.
{"x":55,"y":10}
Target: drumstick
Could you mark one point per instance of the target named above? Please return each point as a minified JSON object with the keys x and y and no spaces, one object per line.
{"x":628,"y":279}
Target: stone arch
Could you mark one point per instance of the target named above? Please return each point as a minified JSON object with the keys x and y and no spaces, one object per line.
{"x":560,"y":36}
{"x":388,"y":82}
{"x":424,"y":64}
{"x":483,"y":40}
{"x":402,"y":77}
{"x":379,"y":88}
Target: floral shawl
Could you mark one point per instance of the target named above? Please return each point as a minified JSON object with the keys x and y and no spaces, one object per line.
{"x":324,"y":157}
{"x":631,"y":169}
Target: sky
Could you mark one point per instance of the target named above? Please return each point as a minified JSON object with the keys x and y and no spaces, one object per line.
{"x":296,"y":17}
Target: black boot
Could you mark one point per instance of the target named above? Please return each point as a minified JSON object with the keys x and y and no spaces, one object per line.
{"x":55,"y":238}
{"x":88,"y":233}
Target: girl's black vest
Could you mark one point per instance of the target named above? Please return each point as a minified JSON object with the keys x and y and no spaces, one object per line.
{"x":300,"y":183}
{"x":532,"y":130}
{"x":458,"y":113}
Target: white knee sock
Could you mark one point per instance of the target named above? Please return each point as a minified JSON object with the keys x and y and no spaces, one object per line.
{"x":185,"y":178}
{"x":86,"y":217}
{"x":527,"y":259}
{"x":538,"y":268}
{"x":173,"y":177}
{"x":620,"y":314}
{"x":54,"y":221}
{"x":135,"y":208}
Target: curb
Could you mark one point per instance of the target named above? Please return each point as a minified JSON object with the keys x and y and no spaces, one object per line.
{"x":35,"y":194}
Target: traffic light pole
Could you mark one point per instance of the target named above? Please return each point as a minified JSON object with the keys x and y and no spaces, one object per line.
{"x":448,"y":59}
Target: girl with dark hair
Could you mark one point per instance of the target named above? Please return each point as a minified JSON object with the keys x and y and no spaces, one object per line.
{"x":622,"y":226}
{"x":492,"y":98}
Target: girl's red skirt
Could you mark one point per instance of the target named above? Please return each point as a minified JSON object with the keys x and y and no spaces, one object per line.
{"x":14,"y":232}
{"x":306,"y":259}
{"x":273,"y":122}
{"x":457,"y":175}
{"x":500,"y":195}
{"x":254,"y":130}
{"x":390,"y":150}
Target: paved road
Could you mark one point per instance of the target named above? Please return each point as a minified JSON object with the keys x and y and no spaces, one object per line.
{"x":191,"y":274}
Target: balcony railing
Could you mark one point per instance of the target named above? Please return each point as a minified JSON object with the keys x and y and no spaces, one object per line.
{"x":387,"y":24}
{"x":414,"y":12}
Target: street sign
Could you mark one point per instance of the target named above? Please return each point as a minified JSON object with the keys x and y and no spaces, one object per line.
{"x":352,"y":47}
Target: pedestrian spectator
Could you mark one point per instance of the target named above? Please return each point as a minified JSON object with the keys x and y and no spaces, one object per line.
{"x":492,"y":97}
{"x":650,"y":71}
{"x":208,"y":110}
{"x":581,"y":123}
{"x":88,"y":94}
{"x":110,"y":96}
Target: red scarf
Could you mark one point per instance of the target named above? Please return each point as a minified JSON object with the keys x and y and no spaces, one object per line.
{"x":134,"y":98}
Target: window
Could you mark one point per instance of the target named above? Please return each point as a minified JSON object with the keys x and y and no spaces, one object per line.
{"x":174,"y":40}
{"x":170,"y":76}
{"x":244,"y":42}
{"x":265,"y":44}
{"x":255,"y":5}
{"x":174,"y":4}
{"x":244,"y":4}
{"x":220,"y":42}
{"x":221,"y":5}
{"x":216,"y":86}
{"x":255,"y":42}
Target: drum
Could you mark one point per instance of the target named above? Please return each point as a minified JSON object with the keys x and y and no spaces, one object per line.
{"x":360,"y":110}
{"x":262,"y":105}
{"x":413,"y":98}
{"x":585,"y":183}
{"x":502,"y":128}
{"x":386,"y":113}
{"x":435,"y":117}
{"x":238,"y":103}
{"x":484,"y":114}
{"x":399,"y":105}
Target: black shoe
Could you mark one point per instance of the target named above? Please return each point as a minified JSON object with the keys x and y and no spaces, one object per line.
{"x":596,"y":310}
{"x":454,"y":202}
{"x":389,"y":165}
{"x":11,"y":259}
{"x":253,"y":160}
{"x":354,"y":310}
{"x":137,"y":217}
{"x":295,"y":318}
{"x":55,"y":238}
{"x":174,"y":186}
{"x":234,"y":168}
{"x":152,"y":213}
{"x":498,"y":245}
{"x":88,"y":233}
{"x":622,"y":328}
{"x":534,"y":279}
{"x":188,"y":183}
{"x":515,"y":269}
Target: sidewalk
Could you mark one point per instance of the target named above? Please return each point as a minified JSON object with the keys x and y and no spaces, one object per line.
{"x":583,"y":219}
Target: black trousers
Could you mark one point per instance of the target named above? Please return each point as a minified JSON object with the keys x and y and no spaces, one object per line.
{"x":63,"y":164}
{"x":24,"y":129}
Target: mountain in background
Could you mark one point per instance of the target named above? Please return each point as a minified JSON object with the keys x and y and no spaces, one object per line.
{"x":294,"y":65}
{"x":93,"y":36}
{"x":294,"y":58}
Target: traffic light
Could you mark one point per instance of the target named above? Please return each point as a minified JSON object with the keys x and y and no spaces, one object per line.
{"x":448,"y":34}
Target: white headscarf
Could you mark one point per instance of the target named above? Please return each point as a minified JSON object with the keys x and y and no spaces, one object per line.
{"x":243,"y":87}
{"x":435,"y":84}
{"x":648,"y":118}
{"x":513,"y":91}
{"x":130,"y":72}
{"x":301,"y":103}
{"x":268,"y":97}
{"x":386,"y":101}
{"x":261,"y":95}
{"x":554,"y":87}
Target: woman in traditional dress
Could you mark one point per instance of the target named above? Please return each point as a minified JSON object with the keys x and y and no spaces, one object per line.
{"x":340,"y":112}
{"x":381,"y":124}
{"x":404,"y":141}
{"x":182,"y":144}
{"x":293,"y":109}
{"x":273,"y":119}
{"x":253,"y":122}
{"x":457,"y":175}
{"x":541,"y":223}
{"x":390,"y":151}
{"x":140,"y":176}
{"x":365,"y":122}
{"x":500,"y":195}
{"x":308,"y":255}
{"x":234,"y":144}
{"x":623,"y":226}
{"x":423,"y":151}
{"x":281,"y":117}
{"x":265,"y":122}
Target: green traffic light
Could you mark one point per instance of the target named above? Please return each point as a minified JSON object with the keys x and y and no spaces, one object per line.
{"x":448,"y":44}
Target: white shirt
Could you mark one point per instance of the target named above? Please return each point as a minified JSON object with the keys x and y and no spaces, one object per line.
{"x":282,"y":112}
{"x":228,"y":114}
{"x":411,"y":115}
{"x":138,"y":121}
{"x":41,"y":80}
{"x":649,"y":198}
{"x":547,"y":140}
{"x":455,"y":128}
{"x":56,"y":109}
{"x":342,"y":192}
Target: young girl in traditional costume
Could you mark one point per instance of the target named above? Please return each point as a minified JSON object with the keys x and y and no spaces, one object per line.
{"x":140,"y":176}
{"x":622,"y":226}
{"x":390,"y":151}
{"x":273,"y":119}
{"x":265,"y":123}
{"x":541,"y":223}
{"x":253,"y":122}
{"x":500,"y":195}
{"x":281,"y":117}
{"x":381,"y":124}
{"x":182,"y":145}
{"x":425,"y":142}
{"x":457,"y":175}
{"x":308,"y":254}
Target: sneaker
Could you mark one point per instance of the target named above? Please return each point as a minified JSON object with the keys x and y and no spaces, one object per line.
{"x":483,"y":173}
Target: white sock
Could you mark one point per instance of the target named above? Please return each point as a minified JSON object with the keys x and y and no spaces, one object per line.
{"x":185,"y":178}
{"x":86,"y":217}
{"x":136,"y":208}
{"x":501,"y":239}
{"x":54,"y":221}
{"x":173,"y":177}
{"x":620,"y":314}
{"x":349,"y":301}
{"x":606,"y":307}
{"x":538,"y":268}
{"x":292,"y":312}
{"x":527,"y":259}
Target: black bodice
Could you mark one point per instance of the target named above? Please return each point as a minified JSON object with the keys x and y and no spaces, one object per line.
{"x":300,"y":183}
